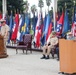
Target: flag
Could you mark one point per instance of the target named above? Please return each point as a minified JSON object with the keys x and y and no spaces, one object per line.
{"x":34,"y":21}
{"x":7,"y":19}
{"x":50,"y":28}
{"x":0,"y":16}
{"x":60,"y":24}
{"x":15,"y":27}
{"x":11,"y":22}
{"x":57,"y":18}
{"x":27,"y":23}
{"x":43,"y":35}
{"x":10,"y":26}
{"x":22,"y":28}
{"x":48,"y":20}
{"x":40,"y":34}
{"x":47,"y":28}
{"x":0,"y":19}
{"x":13,"y":31}
{"x":49,"y":31}
{"x":66,"y":26}
{"x":41,"y":23}
{"x":45,"y":22}
{"x":73,"y":29}
{"x":38,"y":31}
{"x":20,"y":22}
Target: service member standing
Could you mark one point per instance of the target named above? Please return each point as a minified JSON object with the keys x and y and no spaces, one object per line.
{"x":4,"y":32}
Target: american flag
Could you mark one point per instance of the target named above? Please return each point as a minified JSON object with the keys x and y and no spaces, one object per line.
{"x":73,"y":30}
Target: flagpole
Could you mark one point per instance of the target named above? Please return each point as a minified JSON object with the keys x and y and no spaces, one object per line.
{"x":4,"y":7}
{"x":54,"y":11}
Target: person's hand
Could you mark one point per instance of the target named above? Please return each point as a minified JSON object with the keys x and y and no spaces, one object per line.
{"x":74,"y":40}
{"x":45,"y":44}
{"x":5,"y":36}
{"x":0,"y":33}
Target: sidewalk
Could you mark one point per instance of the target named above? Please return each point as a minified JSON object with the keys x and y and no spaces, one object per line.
{"x":30,"y":64}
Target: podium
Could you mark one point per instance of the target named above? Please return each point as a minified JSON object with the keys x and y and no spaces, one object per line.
{"x":3,"y":54}
{"x":67,"y":51}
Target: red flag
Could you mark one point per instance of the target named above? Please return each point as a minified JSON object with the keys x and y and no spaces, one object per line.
{"x":60,"y":24}
{"x":74,"y":29}
{"x":0,"y":16}
{"x":49,"y":31}
{"x":38,"y":31}
{"x":15,"y":27}
{"x":57,"y":16}
{"x":38,"y":38}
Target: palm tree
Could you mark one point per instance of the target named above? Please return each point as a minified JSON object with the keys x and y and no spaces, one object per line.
{"x":33,"y":9}
{"x":74,"y":1}
{"x":26,"y":6}
{"x":70,"y":4}
{"x":48,"y":2}
{"x":41,"y":4}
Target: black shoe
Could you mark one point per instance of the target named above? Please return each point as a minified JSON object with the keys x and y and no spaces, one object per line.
{"x":47,"y":57}
{"x":43,"y":57}
{"x":58,"y":59}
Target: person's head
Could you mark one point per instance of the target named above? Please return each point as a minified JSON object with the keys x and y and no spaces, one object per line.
{"x":53,"y":34}
{"x":2,"y":21}
{"x":69,"y":35}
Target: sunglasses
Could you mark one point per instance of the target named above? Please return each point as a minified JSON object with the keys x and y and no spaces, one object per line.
{"x":2,"y":22}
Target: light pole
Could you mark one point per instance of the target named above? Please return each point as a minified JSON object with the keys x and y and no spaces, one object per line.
{"x":4,"y":7}
{"x":54,"y":12}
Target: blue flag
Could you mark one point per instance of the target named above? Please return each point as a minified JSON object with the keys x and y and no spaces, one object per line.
{"x":43,"y":37}
{"x":11,"y":26}
{"x":47,"y":26}
{"x":22,"y":28}
{"x":27,"y":23}
{"x":34,"y":21}
{"x":66,"y":26}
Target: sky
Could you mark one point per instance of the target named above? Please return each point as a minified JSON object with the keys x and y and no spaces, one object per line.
{"x":35,"y":2}
{"x":32,"y":2}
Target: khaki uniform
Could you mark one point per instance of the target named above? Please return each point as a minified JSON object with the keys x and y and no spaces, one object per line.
{"x":5,"y":33}
{"x":53,"y":41}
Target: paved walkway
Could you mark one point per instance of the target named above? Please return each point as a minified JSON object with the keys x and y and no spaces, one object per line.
{"x":30,"y":64}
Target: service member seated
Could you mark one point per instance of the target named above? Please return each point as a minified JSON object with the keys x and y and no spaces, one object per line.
{"x":67,"y":36}
{"x":70,"y":36}
{"x":51,"y":43}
